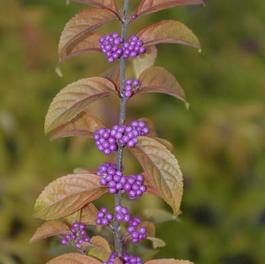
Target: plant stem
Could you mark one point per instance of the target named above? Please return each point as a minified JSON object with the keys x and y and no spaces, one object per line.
{"x":122,"y":117}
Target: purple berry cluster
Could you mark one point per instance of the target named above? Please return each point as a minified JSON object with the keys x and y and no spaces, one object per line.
{"x":134,"y":186}
{"x":104,"y":217}
{"x":107,"y":140}
{"x":111,"y":46}
{"x":114,"y":47}
{"x":110,"y":177}
{"x":136,"y":231}
{"x":78,"y":235}
{"x":133,"y":47}
{"x":126,"y":259}
{"x":130,"y":87}
{"x":122,"y":214}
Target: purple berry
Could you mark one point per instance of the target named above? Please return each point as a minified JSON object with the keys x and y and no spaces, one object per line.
{"x":104,"y":217}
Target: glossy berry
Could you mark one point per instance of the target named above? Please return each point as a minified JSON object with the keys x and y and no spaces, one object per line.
{"x":104,"y":141}
{"x":107,"y":140}
{"x":126,"y":259}
{"x":131,"y":86}
{"x":78,"y":236}
{"x":104,"y":217}
{"x":122,"y":214}
{"x":111,"y":177}
{"x":131,"y":259}
{"x":133,"y":47}
{"x":134,"y":186}
{"x":136,"y":231}
{"x":111,"y":46}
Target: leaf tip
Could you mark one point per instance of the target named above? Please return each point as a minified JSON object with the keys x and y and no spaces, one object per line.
{"x":58,"y":71}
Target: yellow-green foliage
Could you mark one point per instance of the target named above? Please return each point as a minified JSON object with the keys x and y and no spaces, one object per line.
{"x":220,"y":141}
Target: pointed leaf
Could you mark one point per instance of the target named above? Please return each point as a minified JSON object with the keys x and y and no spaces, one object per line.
{"x":161,"y":170}
{"x":74,"y":99}
{"x":168,"y":261}
{"x":168,"y":31}
{"x":87,"y":44}
{"x":87,"y":215}
{"x":158,"y":80}
{"x":151,"y":6}
{"x":144,"y":61}
{"x":67,"y":195}
{"x":81,"y":26}
{"x":48,"y":229}
{"x":84,"y":125}
{"x":158,"y":215}
{"x":74,"y":258}
{"x":157,"y":242}
{"x":100,"y":248}
{"x":108,"y":4}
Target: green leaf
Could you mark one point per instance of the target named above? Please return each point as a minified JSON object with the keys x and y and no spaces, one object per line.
{"x":73,"y":258}
{"x":74,"y":99}
{"x":159,"y":215}
{"x":67,"y":195}
{"x":81,"y":25}
{"x":100,"y":248}
{"x":144,"y":61}
{"x":151,"y":6}
{"x":161,"y":170}
{"x":50,"y":228}
{"x":158,"y":80}
{"x":157,"y":242}
{"x":168,"y":31}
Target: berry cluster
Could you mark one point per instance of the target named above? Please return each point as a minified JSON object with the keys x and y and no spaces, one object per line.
{"x":111,"y":46}
{"x":122,"y":214}
{"x":107,"y":140}
{"x":110,"y":177}
{"x":131,"y":259}
{"x":134,"y":186}
{"x":104,"y":217}
{"x":133,"y":47}
{"x":136,"y":231}
{"x":126,"y":259}
{"x":78,"y":235}
{"x":130,"y":87}
{"x":114,"y":47}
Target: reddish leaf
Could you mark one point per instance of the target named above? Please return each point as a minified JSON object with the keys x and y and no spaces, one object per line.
{"x":74,"y":99}
{"x":168,"y":31}
{"x":151,"y":6}
{"x":74,"y":258}
{"x":108,"y":4}
{"x":50,"y":228}
{"x":118,"y":261}
{"x":88,"y":43}
{"x":158,"y":80}
{"x":161,"y":170}
{"x":84,"y":125}
{"x":67,"y":195}
{"x":168,"y":261}
{"x":81,"y":25}
{"x":86,"y":215}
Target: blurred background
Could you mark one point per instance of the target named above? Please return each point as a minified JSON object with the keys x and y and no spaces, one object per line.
{"x":219,"y":141}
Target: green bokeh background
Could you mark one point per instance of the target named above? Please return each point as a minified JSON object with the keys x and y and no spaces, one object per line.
{"x":219,"y":141}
